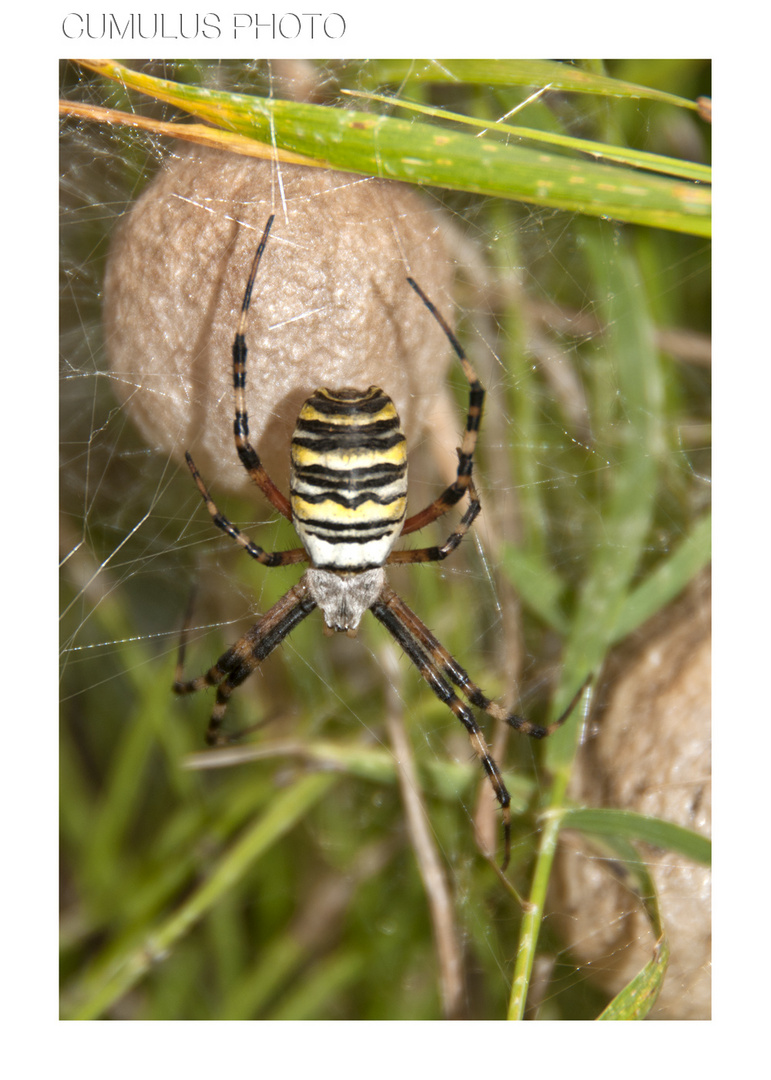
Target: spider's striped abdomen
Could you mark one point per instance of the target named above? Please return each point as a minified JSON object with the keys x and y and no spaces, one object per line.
{"x":348,"y":478}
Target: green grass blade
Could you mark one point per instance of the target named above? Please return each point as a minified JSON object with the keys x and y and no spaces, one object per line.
{"x":533,"y":915}
{"x":426,"y":154}
{"x":535,"y":73}
{"x":633,"y":826}
{"x":639,"y":996}
{"x":667,"y":580}
{"x":315,"y":994}
{"x":447,"y":780}
{"x":249,"y":997}
{"x":538,"y":585}
{"x":625,"y":155}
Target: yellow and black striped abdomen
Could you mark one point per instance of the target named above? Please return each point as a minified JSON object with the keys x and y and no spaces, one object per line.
{"x":348,"y":480}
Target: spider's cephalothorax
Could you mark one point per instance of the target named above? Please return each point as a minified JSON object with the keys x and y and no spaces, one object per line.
{"x":347,"y":502}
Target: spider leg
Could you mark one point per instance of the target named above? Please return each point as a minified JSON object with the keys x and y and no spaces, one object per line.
{"x":454,"y":493}
{"x":436,"y":554}
{"x":452,"y":670}
{"x":239,"y":661}
{"x":267,"y":558}
{"x":389,"y":610}
{"x":250,"y":459}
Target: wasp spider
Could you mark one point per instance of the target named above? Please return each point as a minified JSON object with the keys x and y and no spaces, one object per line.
{"x":348,"y":504}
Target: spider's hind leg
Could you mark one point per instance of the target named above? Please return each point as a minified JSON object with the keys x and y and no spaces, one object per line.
{"x":390,"y":610}
{"x":536,"y":731}
{"x":215,"y":676}
{"x":452,"y":670}
{"x":240,"y":660}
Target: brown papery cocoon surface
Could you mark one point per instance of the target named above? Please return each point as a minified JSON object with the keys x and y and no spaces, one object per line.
{"x":330,"y":306}
{"x":651,"y":754}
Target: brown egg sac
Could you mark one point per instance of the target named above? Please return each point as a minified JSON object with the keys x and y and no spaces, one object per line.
{"x":331,"y":306}
{"x":651,"y":754}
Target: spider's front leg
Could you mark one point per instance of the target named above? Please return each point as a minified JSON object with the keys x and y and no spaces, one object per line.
{"x":248,"y":456}
{"x":267,"y":558}
{"x":457,"y":489}
{"x":245,"y":655}
{"x":436,"y":554}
